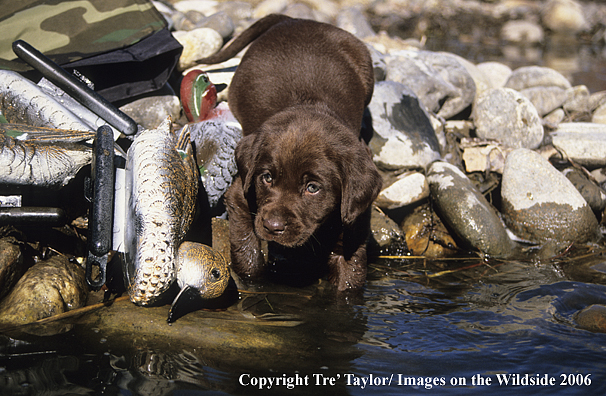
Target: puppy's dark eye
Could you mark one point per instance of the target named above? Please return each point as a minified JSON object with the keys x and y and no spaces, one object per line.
{"x":312,"y":188}
{"x":266,"y":178}
{"x":216,"y":274}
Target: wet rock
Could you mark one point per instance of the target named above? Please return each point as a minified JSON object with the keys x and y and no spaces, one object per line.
{"x":563,"y":16}
{"x":404,"y":136}
{"x":541,"y":205}
{"x":385,"y":232}
{"x":352,"y":20}
{"x":509,"y":117}
{"x":522,"y":31}
{"x":546,"y":99}
{"x":583,"y":142}
{"x":465,"y":210}
{"x":442,"y":84}
{"x":11,"y":264}
{"x":406,"y":189}
{"x":197,"y":44}
{"x":496,"y":72}
{"x":150,"y":111}
{"x":48,"y":288}
{"x":426,"y":235}
{"x":592,"y":193}
{"x":592,"y":318}
{"x":536,"y":76}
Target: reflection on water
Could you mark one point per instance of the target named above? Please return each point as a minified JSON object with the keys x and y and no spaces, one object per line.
{"x":449,"y":326}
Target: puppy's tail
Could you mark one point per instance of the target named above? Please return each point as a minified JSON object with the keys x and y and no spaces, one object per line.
{"x":245,"y":38}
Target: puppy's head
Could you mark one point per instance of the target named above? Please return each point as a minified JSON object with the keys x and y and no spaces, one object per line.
{"x":299,"y":169}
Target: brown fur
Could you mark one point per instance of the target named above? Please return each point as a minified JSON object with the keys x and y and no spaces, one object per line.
{"x":306,"y":180}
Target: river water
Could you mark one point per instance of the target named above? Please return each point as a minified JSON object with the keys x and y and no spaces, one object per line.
{"x":456,"y":327}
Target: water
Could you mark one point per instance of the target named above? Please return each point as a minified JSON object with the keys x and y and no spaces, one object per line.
{"x":440,"y":327}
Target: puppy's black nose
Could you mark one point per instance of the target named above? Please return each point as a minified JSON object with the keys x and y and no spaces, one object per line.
{"x":274,"y":226}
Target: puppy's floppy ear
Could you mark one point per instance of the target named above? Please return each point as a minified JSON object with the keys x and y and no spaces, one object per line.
{"x":361,"y":184}
{"x":245,"y":159}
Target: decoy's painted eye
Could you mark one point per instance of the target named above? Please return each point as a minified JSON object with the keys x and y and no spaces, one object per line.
{"x":215,"y":273}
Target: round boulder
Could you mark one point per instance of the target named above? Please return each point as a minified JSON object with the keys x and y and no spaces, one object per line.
{"x":541,"y":205}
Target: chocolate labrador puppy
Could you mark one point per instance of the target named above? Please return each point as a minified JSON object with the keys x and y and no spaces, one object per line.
{"x":306,"y":179}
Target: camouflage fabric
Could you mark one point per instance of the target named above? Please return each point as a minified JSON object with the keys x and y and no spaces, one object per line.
{"x":69,"y":30}
{"x":122,"y":46}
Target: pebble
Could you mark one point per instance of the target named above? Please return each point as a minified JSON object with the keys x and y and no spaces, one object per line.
{"x":353,"y":21}
{"x":508,"y":117}
{"x":592,"y":318}
{"x":426,"y":235}
{"x":442,"y":84}
{"x":220,"y":22}
{"x":408,"y":188}
{"x":403,"y":134}
{"x":536,"y":76}
{"x":593,"y":194}
{"x":197,"y":44}
{"x":545,"y":99}
{"x":151,"y":110}
{"x":540,"y":204}
{"x":582,"y":142}
{"x":385,"y":232}
{"x":599,"y":115}
{"x":466,"y":211}
{"x":564,"y":16}
{"x":496,"y":72}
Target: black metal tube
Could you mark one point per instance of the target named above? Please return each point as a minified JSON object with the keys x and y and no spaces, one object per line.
{"x":23,"y":216}
{"x":75,"y":88}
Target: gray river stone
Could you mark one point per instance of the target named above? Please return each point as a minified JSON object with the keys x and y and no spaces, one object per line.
{"x":507,"y":116}
{"x":496,"y":72}
{"x":546,"y":99}
{"x":582,"y":142}
{"x":403,"y":134}
{"x":536,"y":76}
{"x":541,"y":205}
{"x":442,"y":83}
{"x":465,"y":210}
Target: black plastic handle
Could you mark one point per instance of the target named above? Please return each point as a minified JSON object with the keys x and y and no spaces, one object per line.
{"x":101,"y":219}
{"x":75,"y":88}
